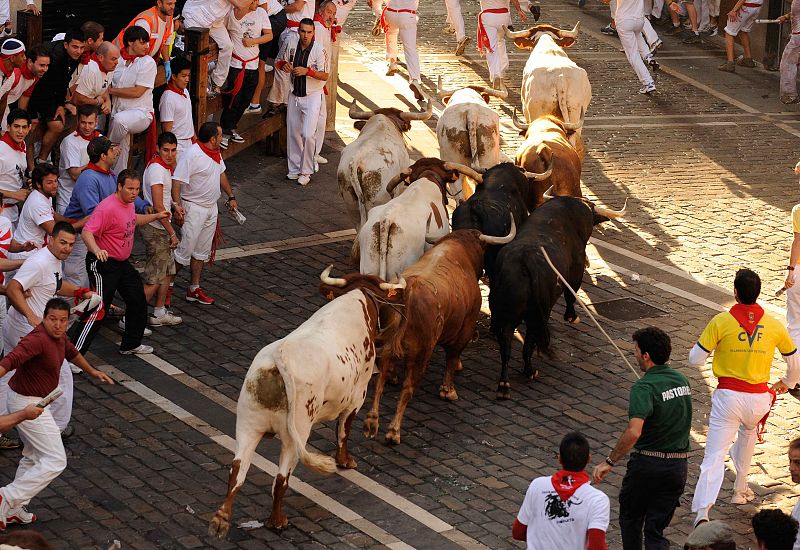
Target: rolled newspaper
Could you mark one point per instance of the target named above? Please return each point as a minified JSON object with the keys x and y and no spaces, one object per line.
{"x":768,"y":21}
{"x":780,"y":291}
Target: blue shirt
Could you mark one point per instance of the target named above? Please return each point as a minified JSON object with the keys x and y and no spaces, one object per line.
{"x":91,"y":187}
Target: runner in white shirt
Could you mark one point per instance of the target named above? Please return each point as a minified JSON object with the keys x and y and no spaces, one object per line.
{"x":13,"y":163}
{"x":95,"y":79}
{"x":196,"y":185}
{"x":295,"y":12}
{"x":132,"y":92}
{"x":19,"y":88}
{"x":74,"y":157}
{"x":37,"y":218}
{"x":563,"y":511}
{"x":175,"y":107}
{"x":38,"y":280}
{"x":491,"y":42}
{"x":629,"y":18}
{"x":399,"y":19}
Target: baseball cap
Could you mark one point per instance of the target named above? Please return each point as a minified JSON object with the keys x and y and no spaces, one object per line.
{"x":709,"y":533}
{"x":11,"y":46}
{"x":99,"y":145}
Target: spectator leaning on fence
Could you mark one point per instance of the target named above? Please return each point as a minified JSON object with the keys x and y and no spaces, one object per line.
{"x":175,"y":106}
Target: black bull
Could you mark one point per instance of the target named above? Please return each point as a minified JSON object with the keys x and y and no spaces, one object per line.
{"x":503,"y":193}
{"x":525,"y":288}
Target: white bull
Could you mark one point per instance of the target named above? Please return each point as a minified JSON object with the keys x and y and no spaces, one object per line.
{"x":395,"y":234}
{"x":552,"y":84}
{"x":469,"y":131}
{"x":318,"y":372}
{"x":376,"y":156}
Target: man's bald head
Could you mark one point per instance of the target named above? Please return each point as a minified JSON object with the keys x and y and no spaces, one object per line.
{"x":108,"y":54}
{"x":107,"y":48}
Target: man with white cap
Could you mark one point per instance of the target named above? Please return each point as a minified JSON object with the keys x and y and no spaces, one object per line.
{"x":12,"y":56}
{"x":19,"y":88}
{"x":493,"y":17}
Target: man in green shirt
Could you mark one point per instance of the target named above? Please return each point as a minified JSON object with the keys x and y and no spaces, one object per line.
{"x":660,"y":413}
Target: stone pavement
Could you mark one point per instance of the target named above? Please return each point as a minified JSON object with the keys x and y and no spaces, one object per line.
{"x":706,"y":166}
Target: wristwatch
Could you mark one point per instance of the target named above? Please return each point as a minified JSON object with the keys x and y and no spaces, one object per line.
{"x":609,"y":461}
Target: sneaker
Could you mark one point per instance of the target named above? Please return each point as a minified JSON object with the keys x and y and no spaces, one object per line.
{"x":319,"y":159}
{"x":199,"y":295}
{"x":728,"y":67}
{"x":449,"y":29}
{"x":292,"y":176}
{"x":212,"y":91}
{"x":21,"y":516}
{"x":236,"y":138}
{"x":461,"y":46}
{"x":714,"y":31}
{"x":253,"y":110}
{"x":223,"y":144}
{"x":674,"y":31}
{"x":647,"y":88}
{"x":147,"y":331}
{"x":6,"y":32}
{"x":692,"y":39}
{"x":141,"y":349}
{"x":702,"y":516}
{"x":116,"y":311}
{"x":609,"y":30}
{"x":743,"y":497}
{"x":376,"y":27}
{"x":166,"y":320}
{"x":9,"y":443}
{"x":788,"y":99}
{"x":67,"y":432}
{"x":655,"y":46}
{"x":416,"y":89}
{"x":268,"y":68}
{"x":654,"y":65}
{"x":304,"y":179}
{"x":746,"y":62}
{"x":393,"y":68}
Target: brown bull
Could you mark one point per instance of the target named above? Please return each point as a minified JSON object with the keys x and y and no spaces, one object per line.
{"x":441,"y":302}
{"x":547,"y":145}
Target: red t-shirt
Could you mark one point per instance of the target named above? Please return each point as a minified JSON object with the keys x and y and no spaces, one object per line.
{"x":37,"y":360}
{"x":113,"y":224}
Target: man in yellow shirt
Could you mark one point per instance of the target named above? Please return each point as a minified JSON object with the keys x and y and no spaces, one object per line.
{"x":743,"y":341}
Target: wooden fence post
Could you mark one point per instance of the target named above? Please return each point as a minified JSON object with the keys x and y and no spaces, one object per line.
{"x":29,"y":28}
{"x":198,"y":42}
{"x":333,"y":88}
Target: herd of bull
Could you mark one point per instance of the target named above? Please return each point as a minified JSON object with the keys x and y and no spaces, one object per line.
{"x":418,"y":285}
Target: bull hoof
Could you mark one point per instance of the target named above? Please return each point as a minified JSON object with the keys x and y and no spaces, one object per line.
{"x":448,"y":394}
{"x":535,"y":375}
{"x":370,"y":426}
{"x":572,"y":319}
{"x":504,"y":390}
{"x":219,"y":525}
{"x":348,"y":464}
{"x":393,"y":437}
{"x":460,"y":365}
{"x":277,"y":521}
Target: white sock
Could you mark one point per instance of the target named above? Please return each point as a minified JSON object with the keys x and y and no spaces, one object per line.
{"x":255,"y":105}
{"x":192,"y":288}
{"x":159,"y":311}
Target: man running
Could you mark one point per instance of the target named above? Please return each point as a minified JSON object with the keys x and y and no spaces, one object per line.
{"x":493,"y":17}
{"x":399,"y":19}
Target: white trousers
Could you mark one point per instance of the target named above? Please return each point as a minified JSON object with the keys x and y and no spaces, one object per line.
{"x":5,"y":11}
{"x":703,"y":16}
{"x":302,"y":121}
{"x":323,"y":120}
{"x":658,"y":7}
{"x":43,"y":456}
{"x":792,"y":294}
{"x":455,"y":18}
{"x":630,"y":34}
{"x":496,"y":55}
{"x":649,"y":33}
{"x":403,"y":25}
{"x":281,"y":85}
{"x":75,"y":265}
{"x":734,"y":416}
{"x":123,"y":125}
{"x":220,"y":35}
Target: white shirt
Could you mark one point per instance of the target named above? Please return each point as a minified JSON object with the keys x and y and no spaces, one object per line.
{"x":629,"y":9}
{"x":252,"y":25}
{"x":494,"y":4}
{"x":36,"y":210}
{"x":16,"y":86}
{"x":177,"y":109}
{"x":204,"y":13}
{"x":306,"y":12}
{"x":557,"y":525}
{"x":403,"y":4}
{"x":41,"y":275}
{"x":796,"y":515}
{"x":73,"y":155}
{"x":155,"y":174}
{"x":317,"y":60}
{"x":199,"y":175}
{"x":272,"y":6}
{"x":322,"y":34}
{"x":93,"y":82}
{"x":12,"y":170}
{"x":161,"y":28}
{"x":141,"y":72}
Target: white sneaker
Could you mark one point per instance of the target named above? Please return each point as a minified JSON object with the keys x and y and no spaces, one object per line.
{"x":253,"y":110}
{"x":223,"y":143}
{"x":141,"y":349}
{"x":393,"y":68}
{"x":319,"y":159}
{"x":702,"y":516}
{"x":21,"y":516}
{"x":268,"y":68}
{"x":236,"y":138}
{"x":304,"y":179}
{"x":292,"y":176}
{"x":168,"y":319}
{"x":147,"y":331}
{"x":655,"y":46}
{"x":647,"y":88}
{"x":743,"y":497}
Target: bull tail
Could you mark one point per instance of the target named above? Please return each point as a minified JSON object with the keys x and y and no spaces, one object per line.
{"x":318,"y":462}
{"x":384,"y":234}
{"x":472,"y":132}
{"x":561,"y":96}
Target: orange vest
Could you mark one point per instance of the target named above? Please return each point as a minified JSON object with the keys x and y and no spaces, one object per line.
{"x":151,"y":18}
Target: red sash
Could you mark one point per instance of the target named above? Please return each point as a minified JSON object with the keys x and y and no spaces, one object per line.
{"x":728,"y":383}
{"x":483,"y":38}
{"x":237,"y":84}
{"x":291,"y":24}
{"x":384,"y":24}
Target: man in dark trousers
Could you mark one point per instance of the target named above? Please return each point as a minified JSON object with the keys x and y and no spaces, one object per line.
{"x":660,"y":412}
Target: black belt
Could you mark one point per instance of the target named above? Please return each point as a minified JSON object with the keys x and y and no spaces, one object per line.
{"x":660,"y":454}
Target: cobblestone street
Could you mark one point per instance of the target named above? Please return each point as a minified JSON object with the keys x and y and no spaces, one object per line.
{"x":706,"y":165}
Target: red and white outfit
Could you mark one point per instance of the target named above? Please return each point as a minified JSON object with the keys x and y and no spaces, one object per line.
{"x":73,"y":155}
{"x":36,"y":210}
{"x":279,"y":93}
{"x":399,"y":19}
{"x":325,"y":36}
{"x":132,"y":115}
{"x":13,"y":164}
{"x":491,"y":41}
{"x":176,"y":107}
{"x":21,"y":84}
{"x":41,"y":276}
{"x":92,"y":81}
{"x":630,"y":21}
{"x":745,"y":18}
{"x":210,"y":14}
{"x":158,"y":173}
{"x":6,"y":232}
{"x":199,"y":171}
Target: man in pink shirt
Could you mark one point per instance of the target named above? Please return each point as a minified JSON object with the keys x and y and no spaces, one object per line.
{"x":109,"y":240}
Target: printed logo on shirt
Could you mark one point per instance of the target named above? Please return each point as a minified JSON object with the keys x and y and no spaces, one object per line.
{"x":751,"y":338}
{"x":58,"y":283}
{"x":675,"y":392}
{"x":558,"y":510}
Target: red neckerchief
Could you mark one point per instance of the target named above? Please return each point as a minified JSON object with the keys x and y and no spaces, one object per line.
{"x":13,"y":144}
{"x":93,"y":166}
{"x":566,"y":483}
{"x":335,"y":29}
{"x":156,"y":159}
{"x":748,"y":316}
{"x":213,"y":154}
{"x":89,"y":56}
{"x":173,"y":88}
{"x":3,"y":68}
{"x":128,"y":57}
{"x":91,"y":137}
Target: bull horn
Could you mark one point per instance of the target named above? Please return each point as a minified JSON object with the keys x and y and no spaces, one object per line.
{"x":441,"y":92}
{"x":395,"y":181}
{"x":488,"y":239}
{"x":612,"y":214}
{"x":419,"y":116}
{"x":516,"y":34}
{"x":400,"y":285}
{"x":465,"y":170}
{"x":548,"y":194}
{"x":573,"y":33}
{"x":333,"y":281}
{"x":575,"y":126}
{"x":517,"y":123}
{"x":359,"y":115}
{"x":501,"y":94}
{"x":544,"y":175}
